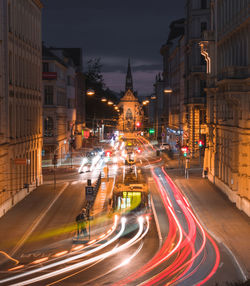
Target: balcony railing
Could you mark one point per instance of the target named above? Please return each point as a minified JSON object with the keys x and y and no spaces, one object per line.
{"x":198,"y":68}
{"x":195,"y":100}
{"x":49,"y":75}
{"x":236,"y":72}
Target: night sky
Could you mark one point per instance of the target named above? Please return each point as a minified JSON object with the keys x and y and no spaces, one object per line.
{"x":114,"y":30}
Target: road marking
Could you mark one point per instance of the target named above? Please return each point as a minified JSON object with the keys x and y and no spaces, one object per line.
{"x":36,"y":222}
{"x":156,"y":220}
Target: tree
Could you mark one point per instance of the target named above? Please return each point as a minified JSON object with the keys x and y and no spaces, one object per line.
{"x":95,"y":108}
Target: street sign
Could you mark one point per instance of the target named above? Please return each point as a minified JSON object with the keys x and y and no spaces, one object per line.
{"x":89,"y":193}
{"x":22,"y":161}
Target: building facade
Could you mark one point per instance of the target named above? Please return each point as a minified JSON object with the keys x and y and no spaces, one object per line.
{"x":76,"y":93}
{"x":56,"y":125}
{"x":20,"y":100}
{"x":226,"y":48}
{"x":173,"y":77}
{"x":197,"y":20}
{"x":131,"y":110}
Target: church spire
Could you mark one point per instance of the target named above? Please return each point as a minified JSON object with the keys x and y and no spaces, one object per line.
{"x":129,"y":80}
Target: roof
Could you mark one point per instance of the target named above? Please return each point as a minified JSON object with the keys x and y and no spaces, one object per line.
{"x":48,"y":55}
{"x":129,"y":96}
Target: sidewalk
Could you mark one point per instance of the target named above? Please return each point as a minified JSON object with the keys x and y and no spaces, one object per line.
{"x":101,"y":221}
{"x":221,"y":217}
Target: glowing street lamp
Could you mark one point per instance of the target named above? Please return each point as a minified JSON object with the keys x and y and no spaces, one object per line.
{"x":110,"y":103}
{"x":104,"y":99}
{"x":153,"y":96}
{"x":90,"y":92}
{"x":168,"y":89}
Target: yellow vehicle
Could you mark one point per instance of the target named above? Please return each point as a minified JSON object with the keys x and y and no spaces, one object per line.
{"x":131,"y":195}
{"x":130,"y":158}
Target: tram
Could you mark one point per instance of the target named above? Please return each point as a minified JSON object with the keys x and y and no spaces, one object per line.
{"x":131,"y":194}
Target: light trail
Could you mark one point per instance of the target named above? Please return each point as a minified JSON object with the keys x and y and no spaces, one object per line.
{"x":89,"y":261}
{"x":128,"y":259}
{"x":185,"y":251}
{"x":75,"y":257}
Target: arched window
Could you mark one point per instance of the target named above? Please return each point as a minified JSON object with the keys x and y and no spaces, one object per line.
{"x":48,"y":127}
{"x":129,"y":114}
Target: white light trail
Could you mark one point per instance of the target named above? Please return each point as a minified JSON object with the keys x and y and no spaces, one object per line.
{"x":91,"y":251}
{"x":88,"y":261}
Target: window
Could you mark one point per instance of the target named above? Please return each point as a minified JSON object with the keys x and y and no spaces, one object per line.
{"x":9,"y":17}
{"x":10,"y":67}
{"x":68,"y":80}
{"x":48,"y":94}
{"x":61,"y":98}
{"x":45,"y":67}
{"x":48,"y":127}
{"x":203,"y":26}
{"x":203,"y":61}
{"x":202,"y":86}
{"x":203,"y":4}
{"x":129,"y":114}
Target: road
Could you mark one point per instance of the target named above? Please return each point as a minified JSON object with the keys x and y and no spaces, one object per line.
{"x":167,"y":246}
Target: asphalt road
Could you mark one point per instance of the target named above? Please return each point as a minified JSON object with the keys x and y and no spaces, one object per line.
{"x":170,"y":246}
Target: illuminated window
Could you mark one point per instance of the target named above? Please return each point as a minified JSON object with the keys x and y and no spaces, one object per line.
{"x":48,"y":127}
{"x":129,"y":114}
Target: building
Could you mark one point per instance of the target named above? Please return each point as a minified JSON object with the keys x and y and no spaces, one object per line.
{"x":76,"y":92}
{"x":173,"y":53}
{"x":55,"y":106}
{"x":20,"y":100}
{"x":197,"y":20}
{"x":131,"y":116}
{"x":159,"y":109}
{"x":225,"y":46}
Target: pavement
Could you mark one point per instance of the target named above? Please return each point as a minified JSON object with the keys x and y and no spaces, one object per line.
{"x":218,"y":215}
{"x":48,"y":209}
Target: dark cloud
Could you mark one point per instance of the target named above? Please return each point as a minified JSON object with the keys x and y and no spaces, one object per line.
{"x":113,"y":30}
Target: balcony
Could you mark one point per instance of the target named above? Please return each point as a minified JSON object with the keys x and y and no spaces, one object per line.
{"x":197,"y":69}
{"x":196,"y":100}
{"x":208,"y":36}
{"x":49,"y":75}
{"x":234,"y":72}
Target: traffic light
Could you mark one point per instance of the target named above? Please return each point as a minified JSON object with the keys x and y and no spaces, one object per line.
{"x":184,"y":151}
{"x":201,"y":143}
{"x":108,"y":153}
{"x":138,"y":124}
{"x":151,"y":131}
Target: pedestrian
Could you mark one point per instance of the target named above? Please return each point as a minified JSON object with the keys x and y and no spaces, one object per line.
{"x":78,"y":221}
{"x":83,"y":222}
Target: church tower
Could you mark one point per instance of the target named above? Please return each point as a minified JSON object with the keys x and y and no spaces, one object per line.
{"x":129,"y":80}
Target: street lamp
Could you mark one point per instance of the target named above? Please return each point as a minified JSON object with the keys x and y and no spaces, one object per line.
{"x":104,"y":99}
{"x":90,"y":92}
{"x":110,"y":103}
{"x":153,"y":96}
{"x":167,"y":89}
